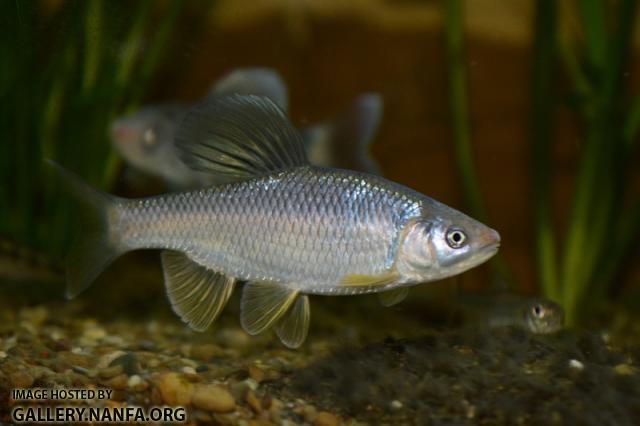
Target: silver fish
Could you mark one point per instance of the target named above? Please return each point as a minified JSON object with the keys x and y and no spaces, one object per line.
{"x":145,"y":139}
{"x":286,"y":227}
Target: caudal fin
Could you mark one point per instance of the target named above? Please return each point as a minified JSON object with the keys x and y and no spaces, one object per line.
{"x":346,"y":140}
{"x":95,"y":244}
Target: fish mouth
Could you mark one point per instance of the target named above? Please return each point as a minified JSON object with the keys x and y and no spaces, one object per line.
{"x":490,"y":243}
{"x":488,"y":252}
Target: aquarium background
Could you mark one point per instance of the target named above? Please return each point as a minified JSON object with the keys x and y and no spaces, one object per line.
{"x":524,"y":114}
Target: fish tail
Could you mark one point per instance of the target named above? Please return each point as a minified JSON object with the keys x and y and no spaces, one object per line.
{"x":349,"y":136}
{"x":96,"y":243}
{"x":357,"y":128}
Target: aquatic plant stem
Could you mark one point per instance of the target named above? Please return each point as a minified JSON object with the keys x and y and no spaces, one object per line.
{"x":93,"y":39}
{"x":592,"y":16}
{"x":597,"y":189}
{"x":541,"y":138}
{"x":453,"y":10}
{"x":633,"y":125}
{"x":151,"y":60}
{"x":459,"y":108}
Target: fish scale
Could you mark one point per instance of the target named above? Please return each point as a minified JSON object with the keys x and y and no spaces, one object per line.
{"x":258,"y":230}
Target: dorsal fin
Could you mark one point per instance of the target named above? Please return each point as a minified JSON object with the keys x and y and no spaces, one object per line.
{"x":253,"y":81}
{"x":240,"y":137}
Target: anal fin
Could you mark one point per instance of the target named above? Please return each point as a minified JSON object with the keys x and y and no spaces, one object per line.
{"x":263,"y":303}
{"x":359,"y":280}
{"x":197,"y":294}
{"x":393,"y":297}
{"x":293,"y":326}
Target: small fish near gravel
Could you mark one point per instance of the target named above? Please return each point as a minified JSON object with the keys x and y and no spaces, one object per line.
{"x":287,"y":228}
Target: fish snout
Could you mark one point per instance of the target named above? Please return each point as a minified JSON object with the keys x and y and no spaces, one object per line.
{"x":490,"y":238}
{"x":123,"y":132}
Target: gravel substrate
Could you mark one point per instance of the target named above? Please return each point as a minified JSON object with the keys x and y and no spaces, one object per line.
{"x":340,"y":376}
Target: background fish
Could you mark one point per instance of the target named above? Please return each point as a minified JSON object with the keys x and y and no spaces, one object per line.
{"x":287,"y":228}
{"x":145,"y":139}
{"x":534,"y":314}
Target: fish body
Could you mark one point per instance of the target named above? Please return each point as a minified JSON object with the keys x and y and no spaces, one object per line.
{"x":146,"y":138}
{"x":274,"y":228}
{"x":537,"y":315}
{"x":286,"y":227}
{"x":534,"y":314}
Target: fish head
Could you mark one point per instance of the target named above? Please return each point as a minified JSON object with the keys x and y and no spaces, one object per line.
{"x":444,"y":243}
{"x":543,"y":316}
{"x":145,"y":140}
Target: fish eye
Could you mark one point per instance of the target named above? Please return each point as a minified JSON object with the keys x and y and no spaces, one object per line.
{"x":149,"y":137}
{"x":456,"y":238}
{"x":538,"y":311}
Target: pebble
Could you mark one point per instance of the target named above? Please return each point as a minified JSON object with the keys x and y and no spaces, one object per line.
{"x":174,"y":390}
{"x":189,"y":362}
{"x":137,"y":383}
{"x":20,"y":379}
{"x":146,"y":345}
{"x":576,"y":365}
{"x":275,"y":410}
{"x":107,"y":373}
{"x":187,"y":369}
{"x":253,"y":402}
{"x":395,"y":405}
{"x":119,"y":382}
{"x":129,"y":363}
{"x":35,"y":316}
{"x":107,"y":359}
{"x":92,"y":334}
{"x":326,"y":419}
{"x":213,"y":398}
{"x":256,"y":373}
{"x":233,"y":338}
{"x":624,"y":369}
{"x":74,"y":359}
{"x":206,"y":351}
{"x":310,"y":413}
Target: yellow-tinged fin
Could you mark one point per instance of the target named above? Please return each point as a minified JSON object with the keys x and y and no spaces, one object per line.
{"x":393,"y":297}
{"x":263,"y":303}
{"x":197,"y":294}
{"x":360,"y":280}
{"x":293,"y":326}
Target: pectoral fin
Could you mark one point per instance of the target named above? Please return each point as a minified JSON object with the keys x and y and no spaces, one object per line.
{"x":197,"y":294}
{"x":393,"y":297}
{"x":360,"y":280}
{"x":263,"y":303}
{"x":293,"y":326}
